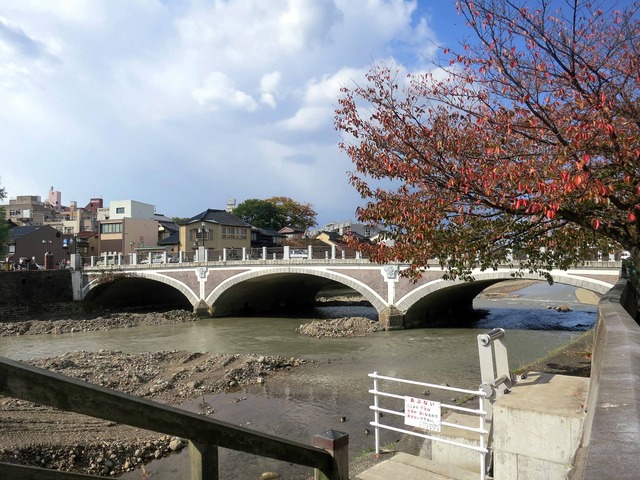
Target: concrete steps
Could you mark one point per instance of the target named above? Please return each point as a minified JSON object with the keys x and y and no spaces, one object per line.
{"x":403,"y":466}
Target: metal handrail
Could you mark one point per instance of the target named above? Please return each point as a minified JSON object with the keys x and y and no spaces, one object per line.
{"x":481,"y":430}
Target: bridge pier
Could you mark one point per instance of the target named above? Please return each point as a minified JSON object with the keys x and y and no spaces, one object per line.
{"x":391,"y":318}
{"x":202,"y":309}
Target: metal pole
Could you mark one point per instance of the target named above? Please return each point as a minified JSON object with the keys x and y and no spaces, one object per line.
{"x":482,"y":425}
{"x":376,"y":414}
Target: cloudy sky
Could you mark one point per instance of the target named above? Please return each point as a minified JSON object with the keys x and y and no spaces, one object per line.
{"x":184,"y":104}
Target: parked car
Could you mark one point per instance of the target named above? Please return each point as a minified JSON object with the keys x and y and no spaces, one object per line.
{"x":298,"y":253}
{"x":157,"y":258}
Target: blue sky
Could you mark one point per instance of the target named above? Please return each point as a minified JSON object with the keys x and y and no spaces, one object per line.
{"x":185,"y":104}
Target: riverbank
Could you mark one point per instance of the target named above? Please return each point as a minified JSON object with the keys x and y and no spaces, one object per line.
{"x":109,"y":321}
{"x":54,"y":438}
{"x":36,"y":435}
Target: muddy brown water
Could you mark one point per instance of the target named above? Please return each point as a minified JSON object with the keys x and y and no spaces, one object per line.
{"x":334,"y":384}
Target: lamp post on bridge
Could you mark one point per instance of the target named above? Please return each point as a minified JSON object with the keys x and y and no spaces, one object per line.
{"x":200,"y":233}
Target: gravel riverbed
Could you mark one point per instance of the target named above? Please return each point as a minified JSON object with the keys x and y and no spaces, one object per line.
{"x":37,"y":435}
{"x":33,"y":434}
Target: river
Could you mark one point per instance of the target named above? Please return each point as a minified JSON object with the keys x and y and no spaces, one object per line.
{"x":333,"y":386}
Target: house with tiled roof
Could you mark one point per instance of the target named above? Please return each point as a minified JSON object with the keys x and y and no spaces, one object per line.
{"x":33,"y":241}
{"x":266,"y":237}
{"x":214,"y":229}
{"x":292,"y":232}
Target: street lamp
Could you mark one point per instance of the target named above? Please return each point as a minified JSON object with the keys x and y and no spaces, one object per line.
{"x":203,"y":230}
{"x":200,"y":233}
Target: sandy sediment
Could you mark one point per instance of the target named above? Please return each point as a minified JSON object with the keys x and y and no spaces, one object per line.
{"x":587,"y":296}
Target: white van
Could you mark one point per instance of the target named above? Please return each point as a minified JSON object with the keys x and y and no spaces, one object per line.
{"x":298,"y":253}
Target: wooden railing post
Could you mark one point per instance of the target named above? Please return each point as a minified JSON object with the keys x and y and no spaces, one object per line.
{"x":337,"y":445}
{"x":26,"y":382}
{"x":203,"y":460}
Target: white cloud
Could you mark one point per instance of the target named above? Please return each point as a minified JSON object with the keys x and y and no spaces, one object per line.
{"x":268,"y":85}
{"x":218,"y":90}
{"x":235,"y":97}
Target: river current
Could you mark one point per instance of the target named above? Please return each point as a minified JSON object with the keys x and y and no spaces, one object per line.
{"x":331,"y":391}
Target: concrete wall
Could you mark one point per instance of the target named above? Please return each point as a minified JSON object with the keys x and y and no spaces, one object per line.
{"x":611,"y":437}
{"x":538,"y":426}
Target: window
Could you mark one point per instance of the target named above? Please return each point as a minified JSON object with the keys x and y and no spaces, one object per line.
{"x":111,"y":228}
{"x":120,"y":210}
{"x":234,"y":232}
{"x":197,"y":235}
{"x":14,"y":213}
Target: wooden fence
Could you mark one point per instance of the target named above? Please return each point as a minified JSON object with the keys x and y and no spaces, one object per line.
{"x":26,"y":382}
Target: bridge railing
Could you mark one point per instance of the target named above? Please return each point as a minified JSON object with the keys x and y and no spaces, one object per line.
{"x":427,"y":415}
{"x":26,"y":382}
{"x":263,"y":254}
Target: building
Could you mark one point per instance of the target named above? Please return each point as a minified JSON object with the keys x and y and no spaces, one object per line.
{"x":168,"y":234}
{"x":214,"y":229}
{"x":127,"y":226}
{"x":55,"y":200}
{"x":340,"y":241}
{"x":166,"y":226}
{"x":72,"y":220}
{"x":28,"y":210}
{"x":120,"y":209}
{"x":266,"y":237}
{"x":292,"y":232}
{"x":34,"y":241}
{"x":347,"y":226}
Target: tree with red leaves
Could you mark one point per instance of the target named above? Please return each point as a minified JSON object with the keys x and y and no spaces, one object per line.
{"x":527,"y":141}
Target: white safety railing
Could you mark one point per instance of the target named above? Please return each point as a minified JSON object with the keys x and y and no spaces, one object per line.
{"x":494,"y":373}
{"x":426,"y":415}
{"x":157,"y":256}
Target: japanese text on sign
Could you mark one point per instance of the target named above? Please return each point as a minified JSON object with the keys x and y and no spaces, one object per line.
{"x":422,"y":413}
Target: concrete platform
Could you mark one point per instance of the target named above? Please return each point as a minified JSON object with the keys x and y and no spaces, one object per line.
{"x":403,"y":466}
{"x":538,"y":426}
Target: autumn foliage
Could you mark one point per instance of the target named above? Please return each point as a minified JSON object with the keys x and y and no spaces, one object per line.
{"x":528,"y":137}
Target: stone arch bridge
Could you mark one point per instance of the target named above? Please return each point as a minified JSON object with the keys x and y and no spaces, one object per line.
{"x":245,"y":287}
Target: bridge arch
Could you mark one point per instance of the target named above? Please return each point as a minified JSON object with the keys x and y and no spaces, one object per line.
{"x":180,"y":286}
{"x":367,"y":292}
{"x":448,"y":296}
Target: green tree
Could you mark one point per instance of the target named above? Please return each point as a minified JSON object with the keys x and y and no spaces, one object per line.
{"x":299,"y":215}
{"x":180,"y":220}
{"x":528,"y":137}
{"x":260,"y":213}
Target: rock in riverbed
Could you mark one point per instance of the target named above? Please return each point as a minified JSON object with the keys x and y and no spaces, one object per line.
{"x":340,"y":327}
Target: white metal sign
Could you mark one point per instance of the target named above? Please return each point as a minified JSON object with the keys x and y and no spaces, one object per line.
{"x":422,"y":413}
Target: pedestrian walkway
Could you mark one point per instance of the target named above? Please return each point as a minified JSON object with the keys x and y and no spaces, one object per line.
{"x":403,"y":466}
